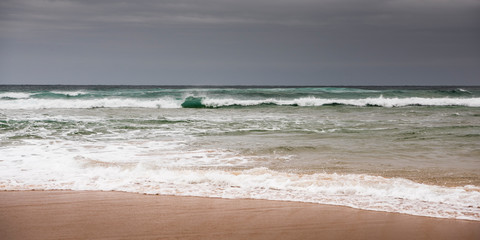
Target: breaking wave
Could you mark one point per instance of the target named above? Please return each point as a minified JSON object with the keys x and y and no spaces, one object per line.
{"x":206,"y":102}
{"x":100,"y":172}
{"x":14,"y":95}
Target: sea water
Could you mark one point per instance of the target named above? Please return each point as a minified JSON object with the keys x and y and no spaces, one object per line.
{"x":413,"y":150}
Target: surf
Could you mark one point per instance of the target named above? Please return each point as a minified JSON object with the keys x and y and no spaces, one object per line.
{"x":209,"y":102}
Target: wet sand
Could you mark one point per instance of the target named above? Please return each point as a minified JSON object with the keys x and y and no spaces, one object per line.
{"x":118,"y":215}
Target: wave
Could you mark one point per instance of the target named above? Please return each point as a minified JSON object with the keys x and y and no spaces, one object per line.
{"x":353,"y":190}
{"x":70,"y":93}
{"x":345,"y":90}
{"x":315,"y":102}
{"x":456,"y":92}
{"x":88,"y":103}
{"x":14,"y":95}
{"x":167,"y":167}
{"x":193,"y":102}
{"x":54,"y":94}
{"x":205,"y":102}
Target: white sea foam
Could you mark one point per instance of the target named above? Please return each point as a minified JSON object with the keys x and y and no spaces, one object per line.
{"x":70,"y":93}
{"x":463,"y":90}
{"x":165,"y":167}
{"x":14,"y":95}
{"x":89,"y":103}
{"x":380,"y":101}
{"x":223,"y":102}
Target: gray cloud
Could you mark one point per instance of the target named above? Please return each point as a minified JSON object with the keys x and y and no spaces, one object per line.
{"x":300,"y":12}
{"x":240,"y":42}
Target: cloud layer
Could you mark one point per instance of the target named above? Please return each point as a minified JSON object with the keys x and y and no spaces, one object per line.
{"x":348,"y":42}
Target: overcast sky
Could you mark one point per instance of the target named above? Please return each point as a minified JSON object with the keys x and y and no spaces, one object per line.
{"x":240,"y":42}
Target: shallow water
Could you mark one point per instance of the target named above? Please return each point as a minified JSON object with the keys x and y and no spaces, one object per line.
{"x":403,"y":150}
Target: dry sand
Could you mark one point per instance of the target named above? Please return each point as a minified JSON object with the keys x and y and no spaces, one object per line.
{"x":118,"y":215}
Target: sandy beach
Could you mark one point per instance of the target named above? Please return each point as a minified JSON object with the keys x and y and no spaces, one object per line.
{"x":119,"y":215}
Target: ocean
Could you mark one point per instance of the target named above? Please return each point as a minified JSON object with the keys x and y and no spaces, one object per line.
{"x":412,"y":150}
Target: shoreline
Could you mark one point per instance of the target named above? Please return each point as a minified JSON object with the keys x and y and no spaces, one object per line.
{"x":66,"y":214}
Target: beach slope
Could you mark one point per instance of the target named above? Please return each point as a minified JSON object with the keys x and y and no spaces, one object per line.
{"x":119,"y":215}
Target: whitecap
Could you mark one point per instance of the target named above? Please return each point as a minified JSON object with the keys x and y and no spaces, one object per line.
{"x":13,"y":95}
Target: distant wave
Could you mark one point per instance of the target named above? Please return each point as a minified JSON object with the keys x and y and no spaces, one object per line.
{"x":380,"y":101}
{"x":88,"y":103}
{"x":206,"y":102}
{"x":457,"y":91}
{"x":14,"y":95}
{"x":345,"y":90}
{"x":70,"y":93}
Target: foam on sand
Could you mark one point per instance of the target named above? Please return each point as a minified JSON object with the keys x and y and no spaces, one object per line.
{"x":160,"y":167}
